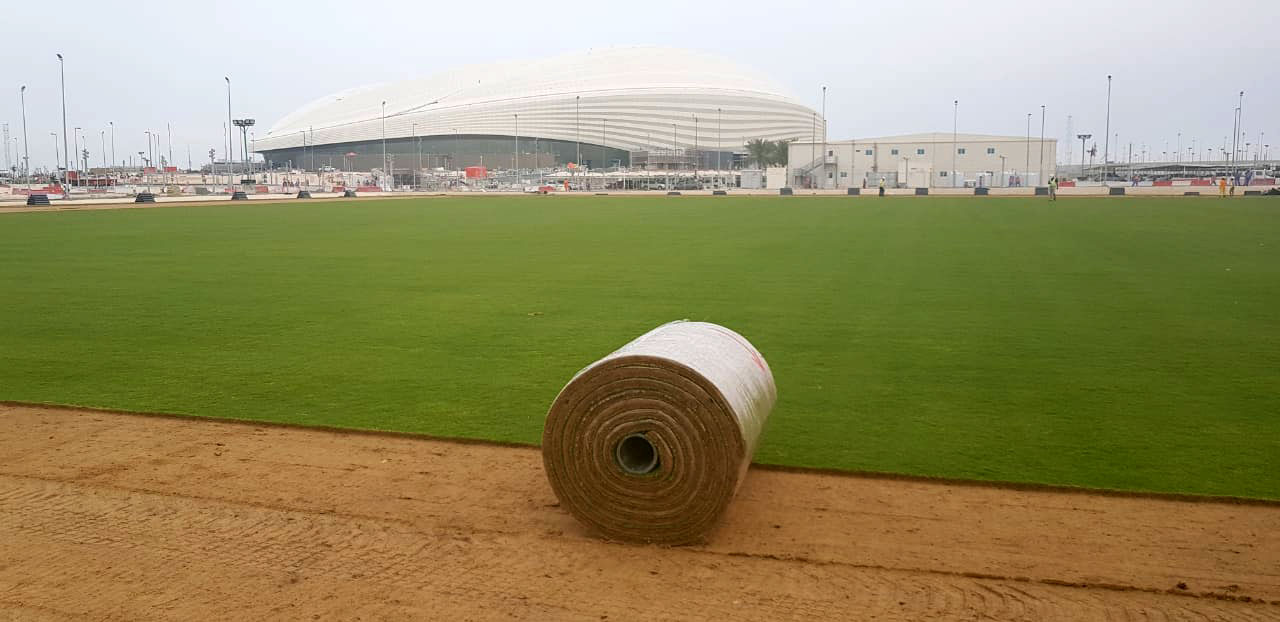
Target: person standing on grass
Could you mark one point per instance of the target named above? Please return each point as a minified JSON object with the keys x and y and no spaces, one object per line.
{"x":1053,"y":188}
{"x":1231,"y":187}
{"x":881,"y":186}
{"x":1222,"y":187}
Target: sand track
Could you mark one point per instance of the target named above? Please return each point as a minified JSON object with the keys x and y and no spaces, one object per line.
{"x":109,"y":516}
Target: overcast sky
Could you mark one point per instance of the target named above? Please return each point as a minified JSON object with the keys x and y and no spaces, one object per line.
{"x":890,"y":67}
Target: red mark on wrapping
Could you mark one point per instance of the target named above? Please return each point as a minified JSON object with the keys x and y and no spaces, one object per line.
{"x":745,"y":345}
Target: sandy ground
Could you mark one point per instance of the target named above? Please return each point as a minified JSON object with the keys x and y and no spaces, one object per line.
{"x":127,"y":517}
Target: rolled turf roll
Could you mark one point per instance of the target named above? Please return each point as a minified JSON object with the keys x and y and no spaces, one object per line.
{"x":650,"y":443}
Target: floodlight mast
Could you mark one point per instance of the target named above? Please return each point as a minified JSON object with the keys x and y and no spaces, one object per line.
{"x":1082,"y":137}
{"x":244,"y":125}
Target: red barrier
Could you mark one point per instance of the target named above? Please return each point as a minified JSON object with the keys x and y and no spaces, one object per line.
{"x":1162,"y":182}
{"x":1066,"y":184}
{"x":1202,"y":182}
{"x":368,"y":189}
{"x":1262,"y":181}
{"x":261,"y":190}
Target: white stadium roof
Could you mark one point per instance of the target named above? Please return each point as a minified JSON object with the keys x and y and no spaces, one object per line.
{"x":626,"y":98}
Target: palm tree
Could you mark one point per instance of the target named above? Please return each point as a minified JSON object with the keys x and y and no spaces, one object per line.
{"x":761,"y":152}
{"x":778,"y":149}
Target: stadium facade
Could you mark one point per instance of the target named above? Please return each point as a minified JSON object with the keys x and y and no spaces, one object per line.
{"x":595,"y":109}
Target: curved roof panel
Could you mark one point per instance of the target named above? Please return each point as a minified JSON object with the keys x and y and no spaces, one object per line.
{"x":628,"y":98}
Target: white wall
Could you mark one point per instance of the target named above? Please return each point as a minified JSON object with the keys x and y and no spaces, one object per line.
{"x":926,"y":161}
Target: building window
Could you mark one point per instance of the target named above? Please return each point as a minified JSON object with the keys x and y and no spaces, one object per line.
{"x":960,"y":151}
{"x":829,"y":175}
{"x":919,"y":151}
{"x":893,"y":152}
{"x":868,"y":152}
{"x":831,"y":153}
{"x":844,"y":173}
{"x":942,"y":174}
{"x":991,"y":150}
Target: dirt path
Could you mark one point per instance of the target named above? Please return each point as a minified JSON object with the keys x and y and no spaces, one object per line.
{"x":109,"y":516}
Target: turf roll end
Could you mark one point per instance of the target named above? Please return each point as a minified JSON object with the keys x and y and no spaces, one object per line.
{"x":650,"y":443}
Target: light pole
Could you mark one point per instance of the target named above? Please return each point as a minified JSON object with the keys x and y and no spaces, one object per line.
{"x":56,"y":158}
{"x":719,"y":140}
{"x":75,"y":142}
{"x":63,"y":77}
{"x":1004,"y":178}
{"x":1106,"y":144}
{"x":113,"y":147}
{"x":1027,"y":166}
{"x":1082,"y":137}
{"x":696,"y":156}
{"x":577,"y":128}
{"x":230,"y":142}
{"x":413,"y":134}
{"x":168,"y":127}
{"x":456,"y":146}
{"x":1235,"y":134}
{"x":384,"y":138}
{"x":102,"y":138}
{"x":955,"y":123}
{"x":824,"y":136}
{"x":26,"y":155}
{"x":1041,"y":180}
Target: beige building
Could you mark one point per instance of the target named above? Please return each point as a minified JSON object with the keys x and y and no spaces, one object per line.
{"x":935,"y":160}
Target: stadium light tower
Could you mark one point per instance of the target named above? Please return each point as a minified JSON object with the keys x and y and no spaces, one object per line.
{"x":244,"y":125}
{"x":1082,"y":137}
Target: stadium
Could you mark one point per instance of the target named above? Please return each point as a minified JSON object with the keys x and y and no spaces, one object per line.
{"x":596,"y":109}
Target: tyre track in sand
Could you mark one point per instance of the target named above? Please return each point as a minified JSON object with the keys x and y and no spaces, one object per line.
{"x":110,"y":516}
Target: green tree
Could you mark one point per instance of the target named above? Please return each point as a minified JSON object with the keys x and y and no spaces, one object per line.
{"x":778,"y":152}
{"x":761,"y":152}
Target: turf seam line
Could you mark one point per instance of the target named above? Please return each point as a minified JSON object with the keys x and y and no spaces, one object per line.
{"x":881,"y":475}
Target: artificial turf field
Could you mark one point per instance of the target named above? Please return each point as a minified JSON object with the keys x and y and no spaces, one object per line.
{"x":1116,"y":343}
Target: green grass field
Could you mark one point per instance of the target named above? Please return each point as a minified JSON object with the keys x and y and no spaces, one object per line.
{"x":1117,"y":343}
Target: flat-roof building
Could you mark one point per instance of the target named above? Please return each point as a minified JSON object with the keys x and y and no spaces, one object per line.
{"x":930,"y":160}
